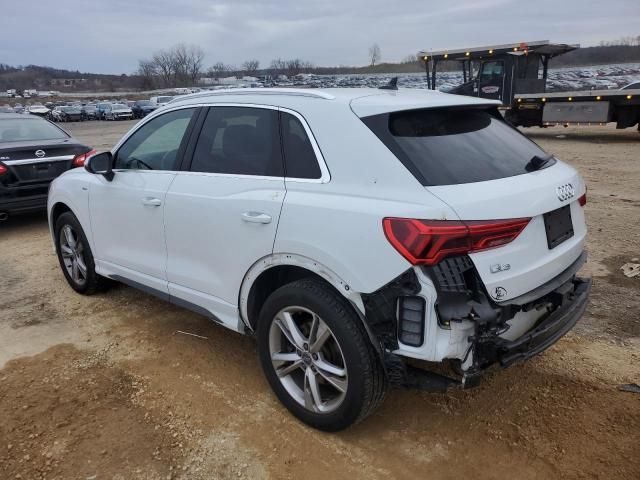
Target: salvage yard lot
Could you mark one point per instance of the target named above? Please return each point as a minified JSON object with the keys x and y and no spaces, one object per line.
{"x":104,"y":386}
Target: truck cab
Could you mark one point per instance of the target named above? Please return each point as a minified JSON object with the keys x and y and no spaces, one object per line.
{"x":516,"y":75}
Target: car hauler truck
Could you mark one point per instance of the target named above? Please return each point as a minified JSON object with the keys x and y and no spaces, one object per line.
{"x":516,"y":75}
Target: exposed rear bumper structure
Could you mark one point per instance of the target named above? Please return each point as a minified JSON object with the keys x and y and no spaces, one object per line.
{"x":557,"y":305}
{"x":548,"y":331}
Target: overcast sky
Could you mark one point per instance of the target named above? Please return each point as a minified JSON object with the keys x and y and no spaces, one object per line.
{"x":110,"y":36}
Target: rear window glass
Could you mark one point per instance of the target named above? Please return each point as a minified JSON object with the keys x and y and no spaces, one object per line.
{"x":448,"y":147}
{"x":28,"y":129}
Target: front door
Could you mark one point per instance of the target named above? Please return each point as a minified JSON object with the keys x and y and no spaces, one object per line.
{"x":491,"y":80}
{"x":127,"y":213}
{"x":222,"y":214}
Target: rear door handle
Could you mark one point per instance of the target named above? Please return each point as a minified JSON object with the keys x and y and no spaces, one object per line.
{"x":151,"y":202}
{"x":256,"y":217}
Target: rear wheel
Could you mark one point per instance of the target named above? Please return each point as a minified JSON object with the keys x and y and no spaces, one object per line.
{"x":317,"y":357}
{"x":75,"y":256}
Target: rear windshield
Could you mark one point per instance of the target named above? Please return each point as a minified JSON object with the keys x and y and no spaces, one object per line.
{"x":454,"y":146}
{"x":28,"y":129}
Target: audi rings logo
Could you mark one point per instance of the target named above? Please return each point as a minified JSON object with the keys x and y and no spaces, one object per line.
{"x":565,"y":192}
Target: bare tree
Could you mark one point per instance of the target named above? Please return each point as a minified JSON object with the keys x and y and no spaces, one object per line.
{"x":251,"y":67}
{"x":148,"y":72}
{"x":195,"y":60}
{"x":278,"y":66}
{"x":374,"y":54}
{"x":164,"y":63}
{"x":217,"y":70}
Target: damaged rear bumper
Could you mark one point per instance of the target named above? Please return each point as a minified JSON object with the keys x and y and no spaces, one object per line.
{"x":547,"y":332}
{"x":486,"y":331}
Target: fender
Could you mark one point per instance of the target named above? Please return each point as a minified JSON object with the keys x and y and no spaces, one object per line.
{"x":295,"y":260}
{"x":78,"y":204}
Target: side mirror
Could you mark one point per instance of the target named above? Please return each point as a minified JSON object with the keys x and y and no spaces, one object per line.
{"x":100,"y":164}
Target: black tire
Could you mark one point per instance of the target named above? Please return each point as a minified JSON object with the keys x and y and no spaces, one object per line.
{"x":92,"y":282}
{"x":366,"y":380}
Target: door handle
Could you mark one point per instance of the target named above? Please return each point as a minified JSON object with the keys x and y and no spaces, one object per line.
{"x":256,"y":217}
{"x":151,"y":202}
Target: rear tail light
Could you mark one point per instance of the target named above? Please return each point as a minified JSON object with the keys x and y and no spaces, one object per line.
{"x":426,"y":242}
{"x":3,"y":169}
{"x":583,"y":198}
{"x":78,"y":160}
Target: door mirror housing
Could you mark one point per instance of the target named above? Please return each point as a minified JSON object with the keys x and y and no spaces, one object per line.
{"x":101,"y":164}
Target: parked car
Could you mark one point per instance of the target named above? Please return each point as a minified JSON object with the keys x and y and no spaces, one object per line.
{"x":38,"y":109}
{"x":66,"y":114}
{"x":89,"y":111}
{"x":6,"y":109}
{"x":160,"y":101}
{"x":100,"y":108}
{"x":117,"y":111}
{"x":348,"y":230}
{"x":33,"y":151}
{"x":632,"y":86}
{"x":18,"y":108}
{"x":142,"y":108}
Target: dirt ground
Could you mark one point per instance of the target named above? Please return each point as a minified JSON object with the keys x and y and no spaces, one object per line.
{"x":104,"y":387}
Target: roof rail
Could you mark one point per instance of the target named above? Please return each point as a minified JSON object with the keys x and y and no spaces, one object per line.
{"x":258,"y":91}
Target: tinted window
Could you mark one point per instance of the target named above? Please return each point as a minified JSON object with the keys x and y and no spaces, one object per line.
{"x":300,"y":159}
{"x":447,"y":147}
{"x":28,"y":129}
{"x":239,"y":140}
{"x":492,"y":69}
{"x":155,"y":145}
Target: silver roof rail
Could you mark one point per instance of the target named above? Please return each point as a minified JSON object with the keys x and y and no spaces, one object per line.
{"x":258,"y":91}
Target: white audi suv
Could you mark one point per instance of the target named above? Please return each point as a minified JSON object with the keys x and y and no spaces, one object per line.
{"x":347,"y":230}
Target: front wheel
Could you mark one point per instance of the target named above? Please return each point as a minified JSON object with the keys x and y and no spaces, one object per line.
{"x":317,"y":357}
{"x":75,"y":256}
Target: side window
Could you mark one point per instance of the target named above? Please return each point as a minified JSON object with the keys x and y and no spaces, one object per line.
{"x":240,"y":141}
{"x":492,"y":69}
{"x":299,"y":157}
{"x":155,"y":145}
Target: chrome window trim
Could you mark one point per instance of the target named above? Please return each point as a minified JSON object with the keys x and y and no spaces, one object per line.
{"x":28,"y":161}
{"x":325,"y":175}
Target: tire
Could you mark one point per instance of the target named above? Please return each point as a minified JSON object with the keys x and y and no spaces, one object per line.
{"x":347,"y":351}
{"x":87,"y":282}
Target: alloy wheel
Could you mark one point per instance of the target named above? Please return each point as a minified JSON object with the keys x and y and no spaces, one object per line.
{"x":308,"y":359}
{"x":72,"y":251}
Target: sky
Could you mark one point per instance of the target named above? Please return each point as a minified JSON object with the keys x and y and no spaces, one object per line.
{"x":111,"y":36}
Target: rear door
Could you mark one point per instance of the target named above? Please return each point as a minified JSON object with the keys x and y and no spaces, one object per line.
{"x":221,"y":214}
{"x":127,"y":213}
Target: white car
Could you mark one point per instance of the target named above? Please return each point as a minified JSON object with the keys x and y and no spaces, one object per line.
{"x":347,"y":229}
{"x":161,"y":100}
{"x":118,"y":111}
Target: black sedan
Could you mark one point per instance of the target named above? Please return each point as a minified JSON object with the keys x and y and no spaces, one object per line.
{"x":33,"y":152}
{"x":142,"y":108}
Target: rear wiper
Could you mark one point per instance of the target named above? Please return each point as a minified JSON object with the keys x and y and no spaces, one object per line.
{"x":537,"y":163}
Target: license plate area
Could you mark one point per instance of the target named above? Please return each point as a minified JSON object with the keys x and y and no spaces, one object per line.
{"x":558,"y":225}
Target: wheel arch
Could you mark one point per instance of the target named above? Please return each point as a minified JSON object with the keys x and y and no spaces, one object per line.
{"x":273,"y":271}
{"x":61,"y":203}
